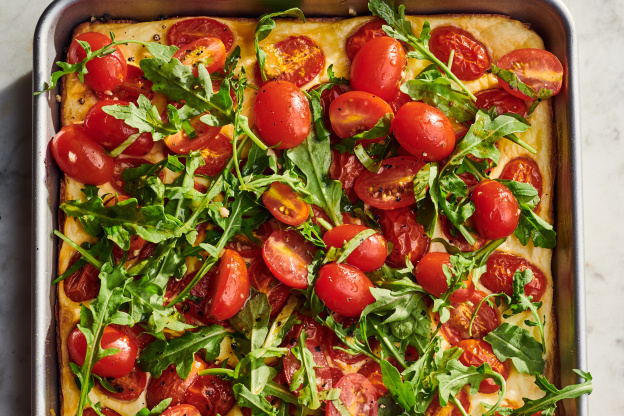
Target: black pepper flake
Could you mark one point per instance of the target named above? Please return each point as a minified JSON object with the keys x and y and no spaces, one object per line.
{"x":81,"y":100}
{"x":156,"y":37}
{"x":131,"y":59}
{"x":398,"y":199}
{"x":258,"y":319}
{"x":317,"y":349}
{"x":489,"y":70}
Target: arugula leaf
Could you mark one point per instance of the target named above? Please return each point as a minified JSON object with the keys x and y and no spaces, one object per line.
{"x":305,"y":376}
{"x":258,"y":404}
{"x":156,"y":410}
{"x":145,"y":117}
{"x":515,"y":343}
{"x":339,"y":255}
{"x":253,"y":319}
{"x":402,"y":392}
{"x":380,"y":129}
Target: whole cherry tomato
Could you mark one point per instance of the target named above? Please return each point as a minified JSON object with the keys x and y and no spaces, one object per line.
{"x":477,"y":352}
{"x":357,"y":394}
{"x":327,"y":97}
{"x":356,"y":111}
{"x":288,"y":256}
{"x":189,"y":30}
{"x":229,"y":288}
{"x":496,"y":212}
{"x":536,"y":68}
{"x":458,"y":327}
{"x":502,"y":100}
{"x":368,"y":256}
{"x":344,"y":289}
{"x":470,"y":58}
{"x":430,"y":275}
{"x":407,"y":236}
{"x":285,"y":204}
{"x":366,"y":32}
{"x":296,"y":59}
{"x":500,"y":269}
{"x":208,"y":51}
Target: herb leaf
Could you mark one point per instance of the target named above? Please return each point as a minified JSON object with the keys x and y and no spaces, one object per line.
{"x":515,"y":343}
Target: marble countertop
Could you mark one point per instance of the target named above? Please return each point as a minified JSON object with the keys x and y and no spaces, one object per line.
{"x":600,"y":27}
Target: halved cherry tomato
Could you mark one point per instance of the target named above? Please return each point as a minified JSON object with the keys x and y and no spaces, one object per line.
{"x":436,"y":409}
{"x":105,"y":73}
{"x":327,"y":97}
{"x":524,"y":169}
{"x":216,"y":153}
{"x":116,"y":365}
{"x":424,"y":131}
{"x":229,"y":288}
{"x":391,"y":186}
{"x":194,"y":310}
{"x":408,"y":237}
{"x":357,"y":394}
{"x":372,"y":371}
{"x":477,"y":352}
{"x":339,"y":355}
{"x":457,"y":327}
{"x":496,"y":212}
{"x":261,"y":279}
{"x":134,"y":85}
{"x":346,"y":168}
{"x":502,"y":100}
{"x":285,"y":204}
{"x":79,"y":157}
{"x":296,"y":59}
{"x":84,"y":283}
{"x":128,"y":387}
{"x":282,"y":114}
{"x":430,"y":275}
{"x":182,"y":410}
{"x":536,"y":68}
{"x":105,"y":411}
{"x":470,"y":58}
{"x":247,"y":248}
{"x":399,"y":100}
{"x":121,"y":164}
{"x":356,"y":111}
{"x":181,"y":144}
{"x":366,"y":32}
{"x":344,"y":289}
{"x":189,"y":30}
{"x":170,"y":385}
{"x":379,"y":67}
{"x":500,"y":271}
{"x":209,"y":52}
{"x":457,"y":239}
{"x":211,"y":395}
{"x":368,"y":256}
{"x":287,"y":254}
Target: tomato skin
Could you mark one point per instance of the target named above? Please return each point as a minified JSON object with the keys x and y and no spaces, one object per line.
{"x":502,"y":100}
{"x":457,"y":239}
{"x":372,"y":371}
{"x":282,"y":115}
{"x":368,"y":256}
{"x":496,"y":212}
{"x":181,"y":410}
{"x":128,"y":387}
{"x":105,"y":73}
{"x":261,"y":279}
{"x":189,"y":30}
{"x":408,"y":237}
{"x":536,"y":68}
{"x":366,"y":32}
{"x":391,"y":186}
{"x":356,"y":111}
{"x":470,"y":58}
{"x":216,"y":154}
{"x":84,"y":283}
{"x":477,"y":352}
{"x":230,"y":288}
{"x":524,"y":169}
{"x":346,"y":168}
{"x":357,"y":394}
{"x":121,"y":164}
{"x":285,"y":205}
{"x":457,"y":327}
{"x":424,"y":131}
{"x":79,"y":157}
{"x":430,"y":275}
{"x":378,"y":67}
{"x":344,"y":289}
{"x":436,"y":409}
{"x":116,"y":365}
{"x":500,"y":268}
{"x":134,"y":85}
{"x":210,"y":395}
{"x":169,"y":384}
{"x":296,"y":59}
{"x":181,"y":144}
{"x":327,"y":97}
{"x":287,"y":255}
{"x":207,"y":51}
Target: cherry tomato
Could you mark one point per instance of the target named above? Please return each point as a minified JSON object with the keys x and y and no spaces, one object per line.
{"x":470,"y":58}
{"x":128,"y":387}
{"x":209,"y":52}
{"x":105,"y":411}
{"x":502,"y":100}
{"x":230,"y":288}
{"x":196,"y":311}
{"x":368,"y":256}
{"x":399,"y":100}
{"x":391,"y":186}
{"x":457,"y":239}
{"x":339,"y":355}
{"x":116,"y":365}
{"x":316,"y":333}
{"x":356,"y":111}
{"x":372,"y":371}
{"x":247,"y":248}
{"x":137,"y":333}
{"x":84,"y":283}
{"x":457,"y":327}
{"x":211,"y":395}
{"x":500,"y":271}
{"x":282,"y":115}
{"x":134,"y":85}
{"x":182,"y":410}
{"x":169,"y":384}
{"x":296,"y":59}
{"x":524,"y":169}
{"x":366,"y":32}
{"x":536,"y":68}
{"x":408,"y":237}
{"x":346,"y":168}
{"x":288,"y":256}
{"x":136,"y":244}
{"x":357,"y":394}
{"x":327,"y":97}
{"x":105,"y":73}
{"x":379,"y":67}
{"x":216,"y":153}
{"x":496,"y":212}
{"x":436,"y":409}
{"x":285,"y":204}
{"x":424,"y":131}
{"x":430,"y":275}
{"x":189,"y":30}
{"x":344,"y":289}
{"x":120,"y":166}
{"x":79,"y":157}
{"x":477,"y":352}
{"x":181,"y":144}
{"x":261,"y":279}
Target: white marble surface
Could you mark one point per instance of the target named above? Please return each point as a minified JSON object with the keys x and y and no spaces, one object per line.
{"x":600,"y":25}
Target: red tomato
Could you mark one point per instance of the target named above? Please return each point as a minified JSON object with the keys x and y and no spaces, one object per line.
{"x":229,"y":289}
{"x":368,"y":256}
{"x":408,"y":237}
{"x":170,"y":385}
{"x":327,"y":97}
{"x":356,"y":111}
{"x":128,"y":387}
{"x":524,"y":169}
{"x":457,"y":239}
{"x":470,"y":59}
{"x":181,"y":144}
{"x":339,"y":355}
{"x":496,"y":212}
{"x":105,"y":73}
{"x":211,"y":395}
{"x":457,"y":327}
{"x":79,"y":157}
{"x":247,"y":248}
{"x":502,"y":100}
{"x":189,"y":30}
{"x":134,"y":85}
{"x":84,"y":283}
{"x":261,"y":279}
{"x":391,"y":186}
{"x":499,"y":275}
{"x":121,"y":164}
{"x":105,"y":411}
{"x":372,"y":371}
{"x":436,"y":409}
{"x":316,"y":333}
{"x":346,"y":168}
{"x":536,"y":68}
{"x":344,"y":289}
{"x":287,"y":254}
{"x":116,"y":365}
{"x":366,"y":32}
{"x":424,"y":131}
{"x":136,"y":244}
{"x":195,"y":311}
{"x":182,"y":410}
{"x":296,"y":59}
{"x":399,"y":100}
{"x":209,"y":52}
{"x":216,"y":153}
{"x":379,"y":67}
{"x":285,"y":204}
{"x":477,"y":352}
{"x":137,"y":333}
{"x":282,"y":115}
{"x":357,"y":394}
{"x":430,"y":275}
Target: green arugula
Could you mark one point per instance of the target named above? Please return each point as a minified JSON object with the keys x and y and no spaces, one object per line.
{"x":380,"y":129}
{"x":305,"y":376}
{"x":156,"y":410}
{"x":515,"y":84}
{"x":515,"y":343}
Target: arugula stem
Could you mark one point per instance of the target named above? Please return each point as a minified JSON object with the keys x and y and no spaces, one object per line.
{"x":252,"y":136}
{"x":389,"y":345}
{"x":85,"y":254}
{"x":474,"y":314}
{"x":227,"y":372}
{"x":469,"y":238}
{"x":513,"y":138}
{"x":275,"y":389}
{"x":473,"y":169}
{"x":459,"y":406}
{"x":324,"y":223}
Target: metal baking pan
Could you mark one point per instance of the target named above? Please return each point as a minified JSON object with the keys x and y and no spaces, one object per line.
{"x":549,"y":18}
